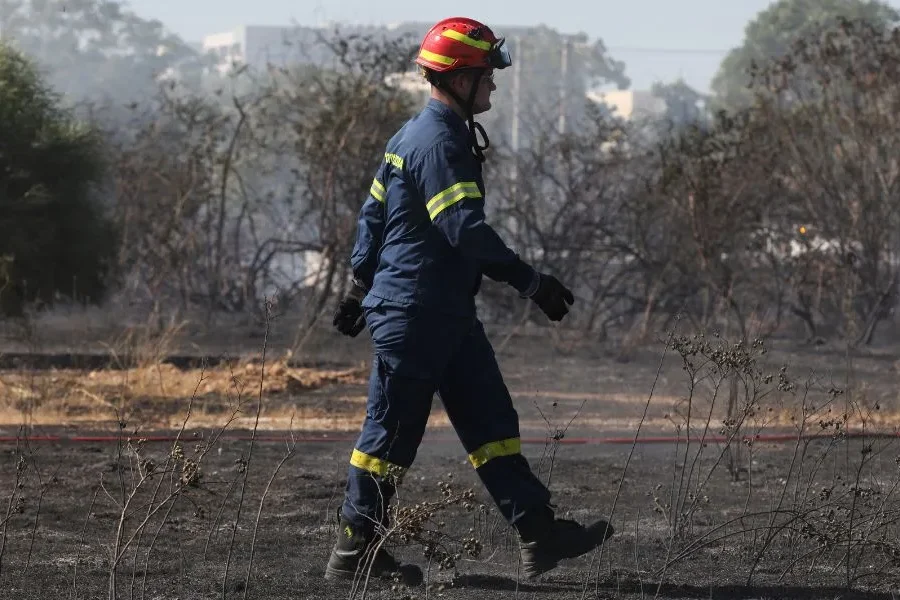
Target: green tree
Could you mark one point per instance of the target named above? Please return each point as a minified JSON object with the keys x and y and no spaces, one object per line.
{"x":54,"y":237}
{"x":684,"y":105}
{"x":772,"y":32}
{"x":555,"y":71}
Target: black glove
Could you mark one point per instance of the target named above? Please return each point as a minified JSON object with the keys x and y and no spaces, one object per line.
{"x":349,"y":318}
{"x":553,"y":297}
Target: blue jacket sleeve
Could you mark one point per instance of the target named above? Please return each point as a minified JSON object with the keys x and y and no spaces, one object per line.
{"x":369,"y":233}
{"x":455,"y":201}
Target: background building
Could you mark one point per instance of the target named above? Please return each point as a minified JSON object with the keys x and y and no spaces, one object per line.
{"x":262,"y":45}
{"x":630,"y":104}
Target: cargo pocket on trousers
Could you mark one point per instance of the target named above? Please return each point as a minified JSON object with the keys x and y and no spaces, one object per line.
{"x":397,"y":401}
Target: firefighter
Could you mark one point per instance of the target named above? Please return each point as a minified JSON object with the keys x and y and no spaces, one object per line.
{"x":421,"y":249}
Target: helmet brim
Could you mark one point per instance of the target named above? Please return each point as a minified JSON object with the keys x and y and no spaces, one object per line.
{"x":498,"y":56}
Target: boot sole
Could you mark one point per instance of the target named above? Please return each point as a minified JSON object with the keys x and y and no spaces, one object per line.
{"x":332,"y":574}
{"x":539,"y":567}
{"x":532,"y":570}
{"x":410,"y":575}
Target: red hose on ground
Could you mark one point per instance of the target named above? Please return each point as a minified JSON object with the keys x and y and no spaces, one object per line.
{"x":307,"y":439}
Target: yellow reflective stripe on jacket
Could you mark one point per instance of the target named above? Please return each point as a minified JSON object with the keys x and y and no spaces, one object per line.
{"x":452,"y":195}
{"x":374,"y":465}
{"x":461,"y":37}
{"x":377,"y":190}
{"x":492,"y":450}
{"x":436,"y":58}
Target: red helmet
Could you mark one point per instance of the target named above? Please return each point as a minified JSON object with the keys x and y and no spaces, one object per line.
{"x":461,"y":43}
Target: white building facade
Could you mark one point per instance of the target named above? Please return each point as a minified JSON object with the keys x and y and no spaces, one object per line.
{"x":257,"y":46}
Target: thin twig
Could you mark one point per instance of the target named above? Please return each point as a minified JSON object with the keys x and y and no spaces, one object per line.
{"x":598,"y":554}
{"x":284,"y":459}
{"x":246,"y":473}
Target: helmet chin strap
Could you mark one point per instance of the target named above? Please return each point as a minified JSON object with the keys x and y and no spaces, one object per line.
{"x":476,"y":128}
{"x":468,"y":107}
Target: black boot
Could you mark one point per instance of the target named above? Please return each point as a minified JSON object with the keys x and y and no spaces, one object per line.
{"x":546,"y":540}
{"x":355,"y":553}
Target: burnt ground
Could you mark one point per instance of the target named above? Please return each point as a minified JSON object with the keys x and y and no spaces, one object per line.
{"x":760,"y":520}
{"x":67,"y":552}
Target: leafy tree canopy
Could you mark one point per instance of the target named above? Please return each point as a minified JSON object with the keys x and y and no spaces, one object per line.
{"x":54,"y":237}
{"x":774,"y":29}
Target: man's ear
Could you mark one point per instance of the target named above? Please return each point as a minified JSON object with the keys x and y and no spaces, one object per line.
{"x":462,"y":83}
{"x":456,"y":83}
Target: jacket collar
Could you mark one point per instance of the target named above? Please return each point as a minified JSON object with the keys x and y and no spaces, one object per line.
{"x":446,"y":113}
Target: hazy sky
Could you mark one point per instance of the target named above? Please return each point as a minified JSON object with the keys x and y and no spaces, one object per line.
{"x":657,"y":39}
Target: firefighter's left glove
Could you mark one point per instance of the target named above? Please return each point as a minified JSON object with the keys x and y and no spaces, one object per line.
{"x":349,"y":318}
{"x":552,"y":297}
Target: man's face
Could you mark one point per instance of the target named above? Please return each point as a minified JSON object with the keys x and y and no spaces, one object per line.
{"x":485,"y":83}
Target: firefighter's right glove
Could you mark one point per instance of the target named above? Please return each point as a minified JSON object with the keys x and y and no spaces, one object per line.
{"x":552,"y":297}
{"x":349,"y":318}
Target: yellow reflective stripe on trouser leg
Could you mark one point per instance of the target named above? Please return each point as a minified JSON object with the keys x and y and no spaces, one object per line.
{"x":452,"y":195}
{"x":377,"y":190}
{"x":493,"y":450}
{"x":376,"y":466}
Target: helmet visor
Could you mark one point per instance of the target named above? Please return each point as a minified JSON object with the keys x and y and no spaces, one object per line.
{"x":498,"y":56}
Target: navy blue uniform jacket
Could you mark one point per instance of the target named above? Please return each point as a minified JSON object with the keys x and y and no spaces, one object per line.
{"x":422,"y":238}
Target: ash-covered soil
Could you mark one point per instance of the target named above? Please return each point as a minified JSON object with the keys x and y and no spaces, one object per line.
{"x":787,"y":519}
{"x":59,"y":544}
